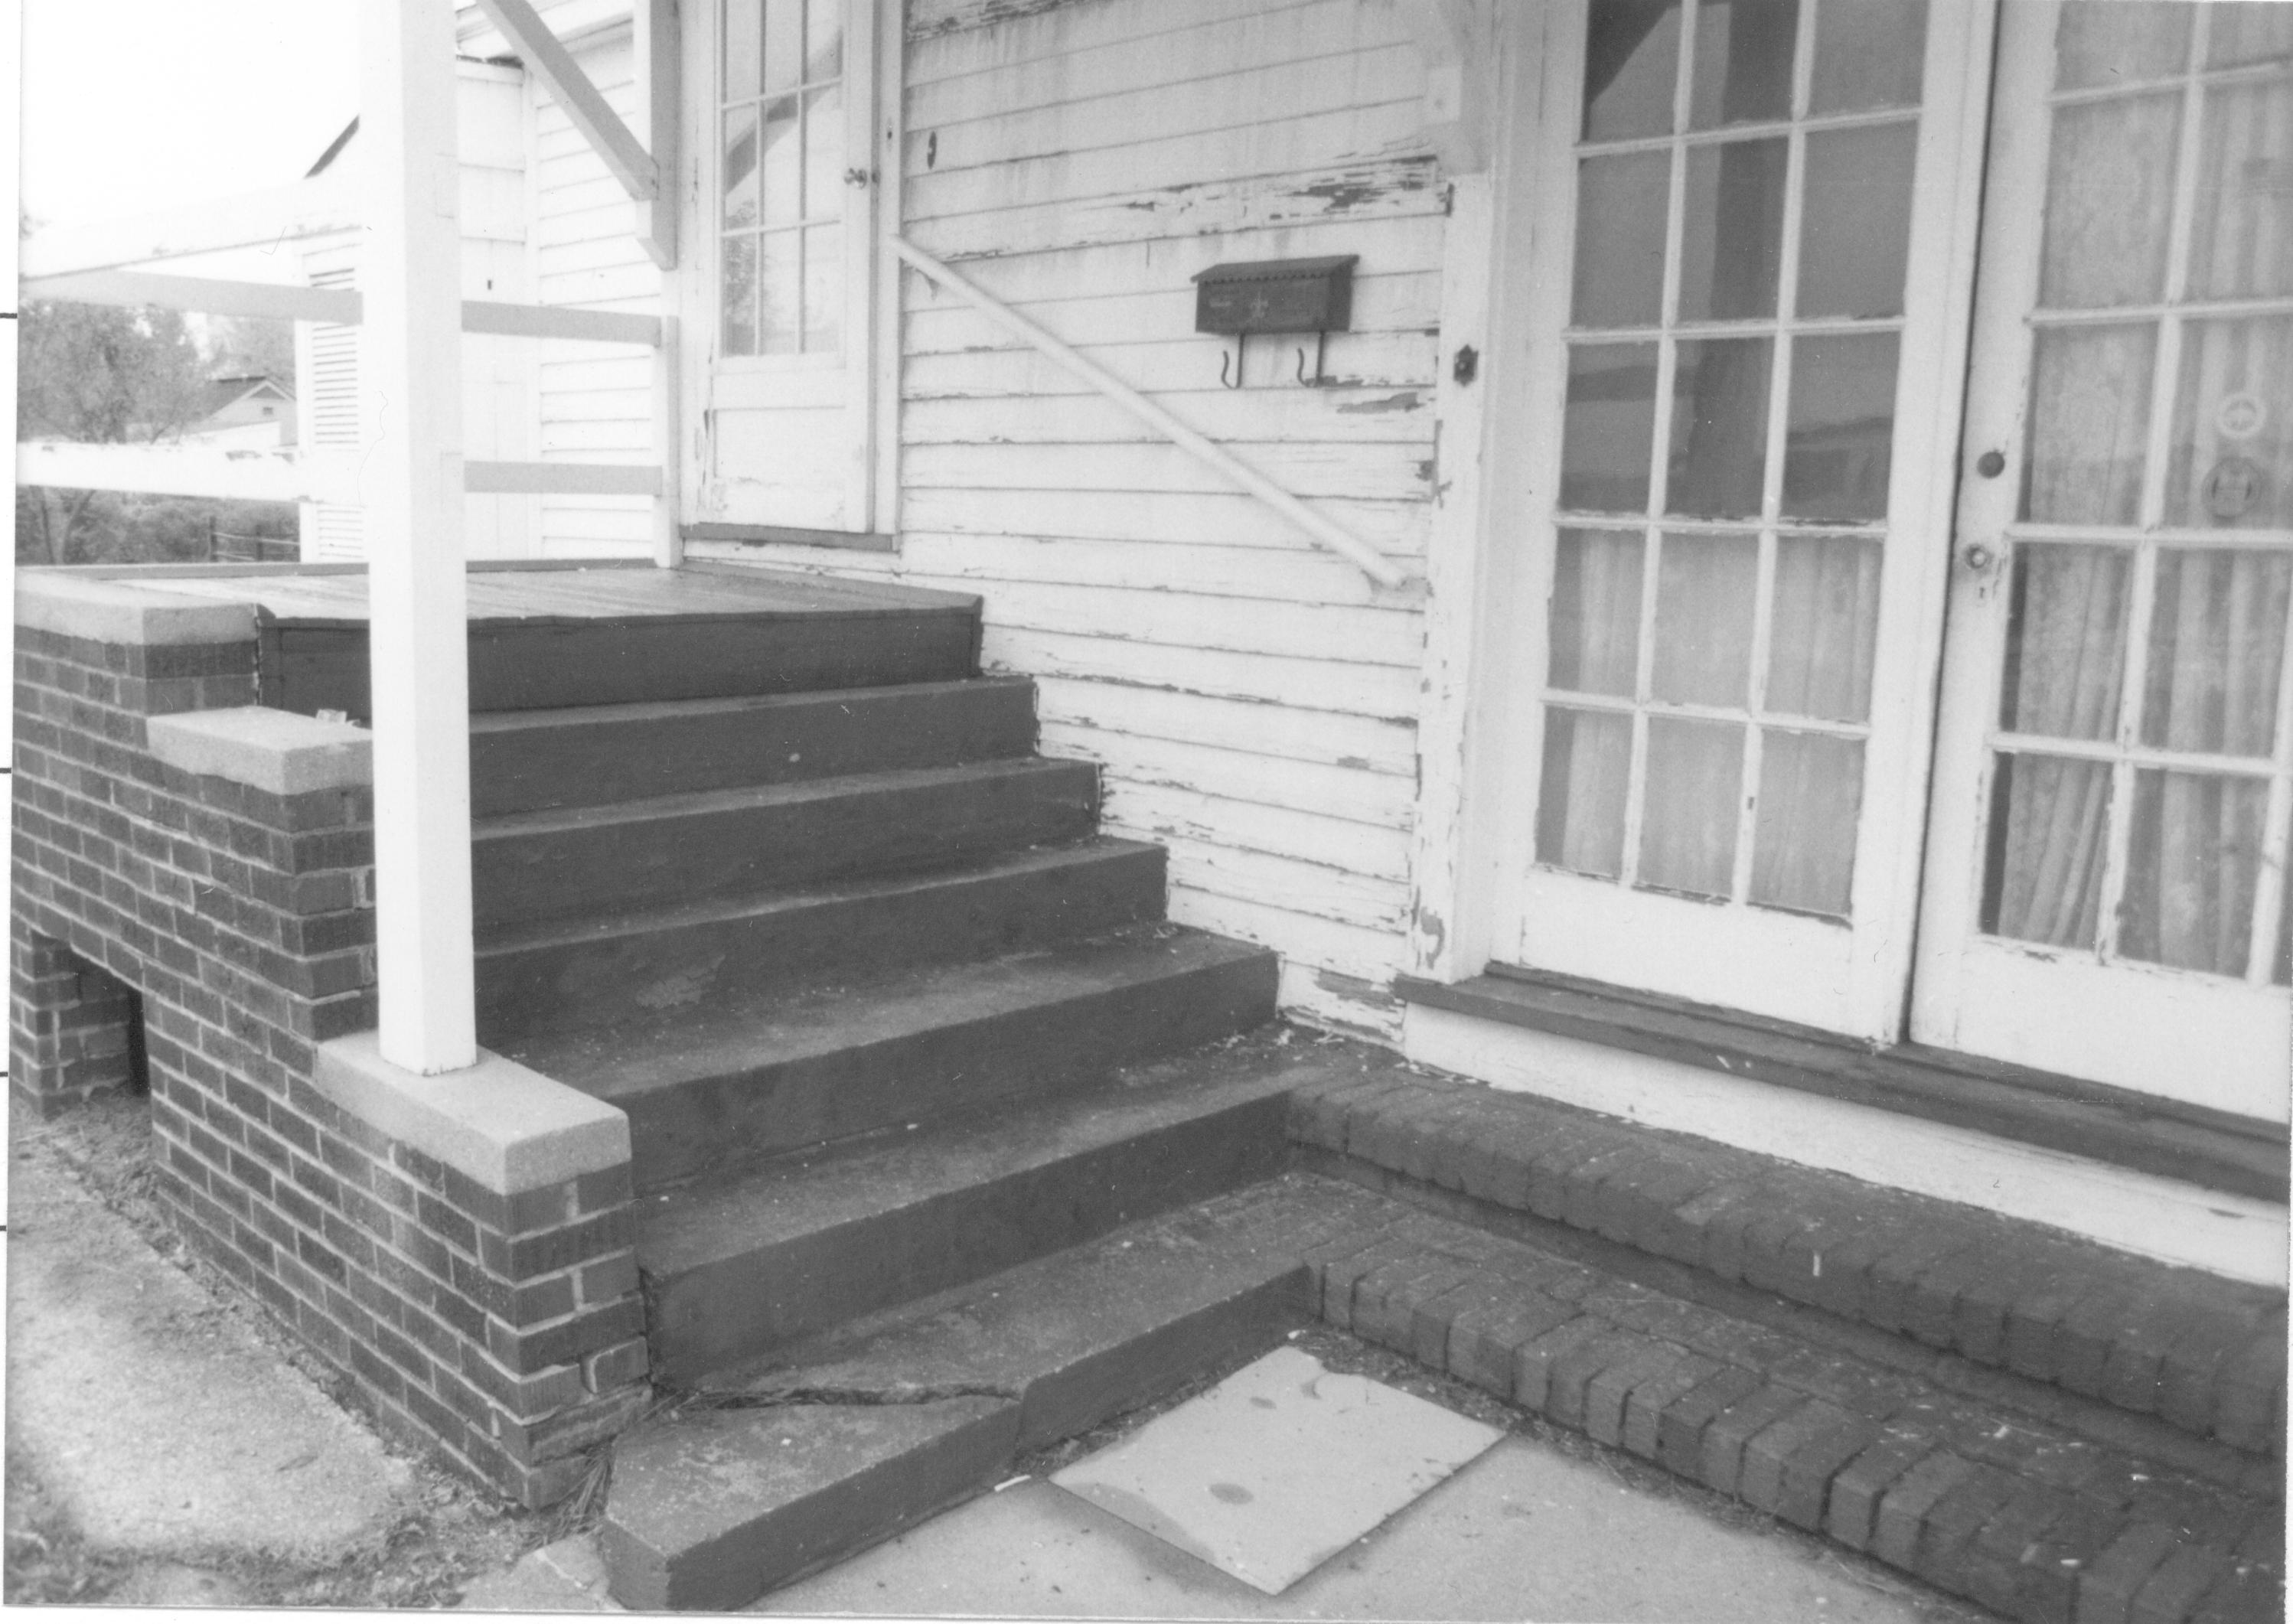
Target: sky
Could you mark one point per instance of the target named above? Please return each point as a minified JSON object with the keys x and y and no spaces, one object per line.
{"x":134,"y":105}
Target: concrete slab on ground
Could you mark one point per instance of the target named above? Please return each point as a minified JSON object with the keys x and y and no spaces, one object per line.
{"x":115,"y":1355}
{"x":1524,"y":1533}
{"x":567,"y":1575}
{"x":1279,"y":1467}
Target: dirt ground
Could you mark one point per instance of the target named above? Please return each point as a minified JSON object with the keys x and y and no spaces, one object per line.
{"x":448,"y":1532}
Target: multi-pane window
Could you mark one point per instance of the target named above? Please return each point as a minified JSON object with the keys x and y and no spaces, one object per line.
{"x":782,"y":128}
{"x":1743,"y":214}
{"x":2142,"y":765}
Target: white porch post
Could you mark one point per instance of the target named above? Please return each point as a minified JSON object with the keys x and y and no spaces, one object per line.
{"x":410,"y":484}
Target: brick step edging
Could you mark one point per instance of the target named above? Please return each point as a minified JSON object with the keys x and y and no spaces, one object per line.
{"x":2205,"y":1355}
{"x":2020,"y":1518}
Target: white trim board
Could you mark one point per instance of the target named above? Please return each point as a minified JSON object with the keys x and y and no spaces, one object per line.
{"x":2235,"y":1236}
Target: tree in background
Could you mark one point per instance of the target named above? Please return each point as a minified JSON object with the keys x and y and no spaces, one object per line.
{"x":97,"y":374}
{"x":103,"y":374}
{"x":249,"y":346}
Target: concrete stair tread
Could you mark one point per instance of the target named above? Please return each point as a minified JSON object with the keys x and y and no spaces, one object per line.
{"x":510,"y":937}
{"x":575,"y":860}
{"x":619,"y":1063}
{"x":526,"y":761}
{"x":1006,"y":1331}
{"x":806,"y":1193}
{"x":685,"y":803}
{"x":648,"y":711}
{"x":757,"y":1259}
{"x":776,"y":1471}
{"x":1978,"y":1498}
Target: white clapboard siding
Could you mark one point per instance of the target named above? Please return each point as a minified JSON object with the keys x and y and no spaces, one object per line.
{"x":1306,"y":469}
{"x":1231,"y":416}
{"x":1302,"y":574}
{"x":1164,"y":265}
{"x":1198,"y":49}
{"x":1383,"y":301}
{"x":1237,"y":775}
{"x":1324,"y":682}
{"x":1338,"y":893}
{"x":1381,"y":190}
{"x":1350,"y":360}
{"x":952,"y":37}
{"x":1266,"y":727}
{"x":1305,"y":938}
{"x":1336,"y":80}
{"x":1369,"y":636}
{"x":1357,"y":136}
{"x":1225,"y":518}
{"x":1169,"y":812}
{"x":596,"y":401}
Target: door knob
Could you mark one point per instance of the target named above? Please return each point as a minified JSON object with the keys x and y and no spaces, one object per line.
{"x":1978,"y":557}
{"x":1990,"y":465}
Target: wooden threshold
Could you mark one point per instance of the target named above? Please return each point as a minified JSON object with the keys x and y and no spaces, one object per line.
{"x":2217,"y":1149}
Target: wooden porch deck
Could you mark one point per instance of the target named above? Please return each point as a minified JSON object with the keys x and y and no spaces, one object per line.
{"x":599,"y":592}
{"x":604,"y":635}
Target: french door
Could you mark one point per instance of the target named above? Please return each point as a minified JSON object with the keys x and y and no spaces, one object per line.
{"x":2114,"y":773}
{"x":1821,"y":729}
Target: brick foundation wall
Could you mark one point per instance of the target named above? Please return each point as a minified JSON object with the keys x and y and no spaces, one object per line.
{"x":497,"y":1318}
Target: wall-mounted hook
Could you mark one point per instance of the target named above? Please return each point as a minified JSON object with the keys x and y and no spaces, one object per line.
{"x":1321,"y":346}
{"x":1240,"y":339}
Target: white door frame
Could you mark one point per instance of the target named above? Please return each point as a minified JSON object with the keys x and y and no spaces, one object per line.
{"x":864,"y":382}
{"x":1482,"y":721}
{"x":2226,"y":1043}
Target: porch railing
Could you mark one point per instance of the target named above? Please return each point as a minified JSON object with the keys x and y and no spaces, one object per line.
{"x":408,"y":472}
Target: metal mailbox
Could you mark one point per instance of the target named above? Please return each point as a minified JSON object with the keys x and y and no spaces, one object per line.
{"x":1276,"y":295}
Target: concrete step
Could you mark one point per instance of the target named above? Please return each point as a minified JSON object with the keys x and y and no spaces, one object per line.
{"x":720,"y":1087}
{"x":579,"y":861}
{"x":593,"y":755}
{"x":825,"y":635}
{"x":563,"y":978}
{"x":2121,"y":1345}
{"x":743,"y":1266}
{"x":776,"y":1470}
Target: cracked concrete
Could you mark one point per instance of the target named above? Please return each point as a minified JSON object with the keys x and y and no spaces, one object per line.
{"x":115,"y":1355}
{"x":897,"y":1393}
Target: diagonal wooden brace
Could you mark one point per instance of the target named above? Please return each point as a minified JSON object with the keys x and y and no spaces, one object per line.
{"x":553,"y":65}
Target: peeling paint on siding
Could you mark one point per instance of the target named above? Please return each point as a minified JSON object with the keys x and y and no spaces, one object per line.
{"x":982,"y":14}
{"x":1431,"y":927}
{"x":1406,"y":400}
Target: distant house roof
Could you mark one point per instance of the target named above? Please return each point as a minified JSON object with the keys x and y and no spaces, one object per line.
{"x":228,"y":391}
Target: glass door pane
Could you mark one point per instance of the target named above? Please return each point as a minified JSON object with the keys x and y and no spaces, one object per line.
{"x":2116,"y":748}
{"x":1744,"y":192}
{"x":2137,"y":745}
{"x":781,"y":120}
